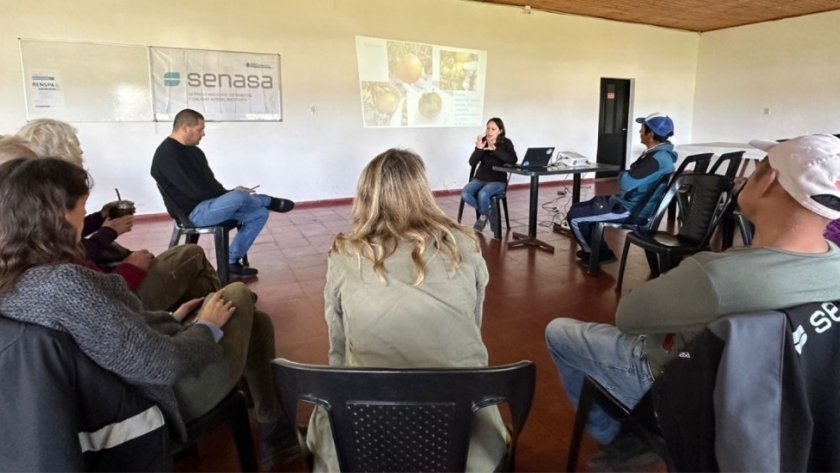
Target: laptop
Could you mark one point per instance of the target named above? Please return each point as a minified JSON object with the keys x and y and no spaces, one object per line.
{"x":535,"y":158}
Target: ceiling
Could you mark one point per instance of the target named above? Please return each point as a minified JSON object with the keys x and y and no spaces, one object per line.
{"x":691,"y":15}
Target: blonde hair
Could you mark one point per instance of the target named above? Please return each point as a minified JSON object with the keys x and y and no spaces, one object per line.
{"x":394,"y":204}
{"x":13,"y":146}
{"x":53,"y":138}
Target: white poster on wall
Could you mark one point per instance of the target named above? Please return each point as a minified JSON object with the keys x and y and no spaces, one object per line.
{"x":222,"y":86}
{"x":420,"y":85}
{"x":45,"y":90}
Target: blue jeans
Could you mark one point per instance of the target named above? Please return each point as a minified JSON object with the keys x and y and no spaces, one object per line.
{"x":583,"y":216}
{"x":614,"y":359}
{"x":477,"y":194}
{"x":248,"y":209}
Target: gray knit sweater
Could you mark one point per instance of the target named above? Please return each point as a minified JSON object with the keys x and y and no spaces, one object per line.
{"x":149,"y":350}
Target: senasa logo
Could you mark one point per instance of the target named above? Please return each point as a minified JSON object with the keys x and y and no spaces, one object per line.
{"x":256,"y":65}
{"x":171,"y":79}
{"x":210,"y":80}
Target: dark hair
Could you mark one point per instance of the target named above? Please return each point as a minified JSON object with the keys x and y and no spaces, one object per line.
{"x":35,"y":195}
{"x":187,"y":117}
{"x":499,"y":123}
{"x":657,"y":138}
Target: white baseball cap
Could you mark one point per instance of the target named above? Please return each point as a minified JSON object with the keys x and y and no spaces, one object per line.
{"x":808,"y":168}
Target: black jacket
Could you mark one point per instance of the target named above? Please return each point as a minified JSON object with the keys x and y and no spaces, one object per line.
{"x":183,"y":173}
{"x":486,"y":159}
{"x":756,"y":392}
{"x":59,"y":411}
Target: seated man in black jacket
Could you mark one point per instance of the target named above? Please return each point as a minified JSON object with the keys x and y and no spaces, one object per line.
{"x":181,"y":169}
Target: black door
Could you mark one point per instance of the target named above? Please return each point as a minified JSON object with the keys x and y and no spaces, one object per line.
{"x":612,"y":124}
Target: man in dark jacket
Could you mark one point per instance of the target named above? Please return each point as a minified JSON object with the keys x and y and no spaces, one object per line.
{"x":181,"y":169}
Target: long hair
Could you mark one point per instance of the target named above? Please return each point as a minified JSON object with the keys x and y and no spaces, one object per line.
{"x":394,"y":204}
{"x":502,"y":131}
{"x":53,"y":138}
{"x":14,"y":146}
{"x":35,"y":195}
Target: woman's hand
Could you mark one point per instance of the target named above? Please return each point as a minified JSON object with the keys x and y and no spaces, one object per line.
{"x":120,"y":225}
{"x":217,"y":311}
{"x":480,"y":142}
{"x":186,"y":308}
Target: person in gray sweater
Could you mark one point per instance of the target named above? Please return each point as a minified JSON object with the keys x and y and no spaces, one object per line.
{"x":185,"y":368}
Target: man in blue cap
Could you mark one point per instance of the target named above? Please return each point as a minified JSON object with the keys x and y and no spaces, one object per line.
{"x":657,"y":160}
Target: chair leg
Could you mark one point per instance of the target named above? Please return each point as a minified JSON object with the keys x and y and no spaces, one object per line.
{"x":176,"y":236}
{"x":241,"y":428}
{"x":595,"y":246}
{"x":460,"y":210}
{"x":496,"y":223}
{"x":654,"y":264}
{"x":623,"y":263}
{"x":727,"y":232}
{"x":507,"y":216}
{"x":220,"y":236}
{"x":587,"y":394}
{"x":672,"y":210}
{"x":192,"y":238}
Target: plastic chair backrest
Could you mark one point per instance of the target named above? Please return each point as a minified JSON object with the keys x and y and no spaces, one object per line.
{"x":174,"y":211}
{"x":700,"y":161}
{"x":707,"y":199}
{"x":734,"y":159}
{"x":656,"y":191}
{"x":405,"y":420}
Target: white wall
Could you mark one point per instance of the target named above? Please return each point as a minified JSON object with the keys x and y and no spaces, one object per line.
{"x":789,"y":66}
{"x":543,"y":80}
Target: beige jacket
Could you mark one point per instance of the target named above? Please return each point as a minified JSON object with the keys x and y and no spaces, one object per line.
{"x":399,"y":325}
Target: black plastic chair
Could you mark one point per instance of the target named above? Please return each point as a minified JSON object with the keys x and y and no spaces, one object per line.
{"x":734,"y":159}
{"x":700,"y":165}
{"x":362,"y":402}
{"x":496,"y":223}
{"x":232,"y":410}
{"x":633,"y":222}
{"x":191,"y":232}
{"x":708,"y":197}
{"x":641,"y":420}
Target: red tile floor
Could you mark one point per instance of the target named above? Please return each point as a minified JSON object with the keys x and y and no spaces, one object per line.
{"x":528,"y":288}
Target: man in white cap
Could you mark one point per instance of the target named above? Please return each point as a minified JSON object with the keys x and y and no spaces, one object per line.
{"x":792,"y":195}
{"x":657,"y":160}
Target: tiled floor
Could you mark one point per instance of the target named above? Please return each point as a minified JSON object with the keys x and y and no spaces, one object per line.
{"x":527,"y":289}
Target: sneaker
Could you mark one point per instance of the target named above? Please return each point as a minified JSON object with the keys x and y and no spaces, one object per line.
{"x":279,"y":444}
{"x":480,"y":223}
{"x":604,"y":257}
{"x":239,"y":271}
{"x":281,"y":205}
{"x":583,"y":255}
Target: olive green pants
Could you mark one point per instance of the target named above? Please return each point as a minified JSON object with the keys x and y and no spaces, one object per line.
{"x":175,"y":276}
{"x":248,"y":346}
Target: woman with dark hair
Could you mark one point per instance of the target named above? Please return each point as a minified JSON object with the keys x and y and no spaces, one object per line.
{"x":186,"y":369}
{"x":405,"y":289}
{"x":492,"y":149}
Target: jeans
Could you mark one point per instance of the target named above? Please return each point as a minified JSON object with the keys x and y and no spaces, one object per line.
{"x":483,"y":190}
{"x":248,"y":209}
{"x":614,"y":359}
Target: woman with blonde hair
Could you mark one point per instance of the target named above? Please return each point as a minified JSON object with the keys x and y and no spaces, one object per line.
{"x":405,"y":289}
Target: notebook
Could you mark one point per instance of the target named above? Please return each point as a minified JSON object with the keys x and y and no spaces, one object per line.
{"x":535,"y":158}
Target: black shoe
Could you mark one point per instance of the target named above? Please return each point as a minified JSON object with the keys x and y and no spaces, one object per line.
{"x":480,"y":223}
{"x":582,"y":255}
{"x":281,"y":205}
{"x":279,"y":444}
{"x":239,"y":271}
{"x":604,"y":257}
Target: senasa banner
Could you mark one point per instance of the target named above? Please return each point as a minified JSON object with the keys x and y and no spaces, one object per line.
{"x":222,"y":86}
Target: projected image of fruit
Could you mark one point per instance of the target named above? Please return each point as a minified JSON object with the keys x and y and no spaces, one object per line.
{"x":458,"y":70}
{"x":409,"y":62}
{"x":383,"y":105}
{"x":430,"y":105}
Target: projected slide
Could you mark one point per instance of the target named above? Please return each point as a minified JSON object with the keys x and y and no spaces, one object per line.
{"x":420,"y":85}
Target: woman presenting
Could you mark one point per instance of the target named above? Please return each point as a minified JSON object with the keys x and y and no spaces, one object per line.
{"x":492,"y":149}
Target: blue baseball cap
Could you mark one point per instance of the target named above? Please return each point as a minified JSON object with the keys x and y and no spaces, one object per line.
{"x":659,"y":124}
